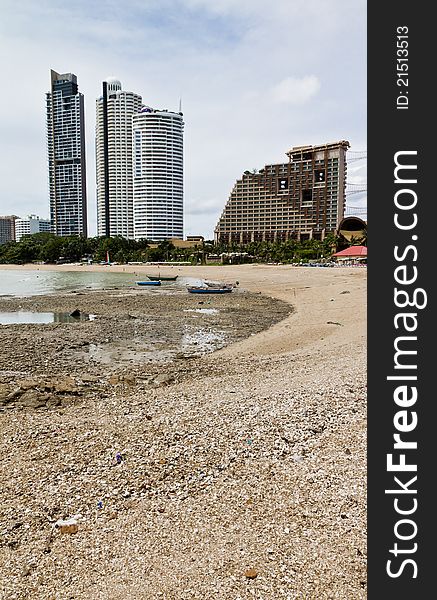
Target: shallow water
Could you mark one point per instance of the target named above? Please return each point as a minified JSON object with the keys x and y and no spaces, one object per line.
{"x":133,"y":327}
{"x":22,"y":317}
{"x":20,"y":283}
{"x":191,"y":341}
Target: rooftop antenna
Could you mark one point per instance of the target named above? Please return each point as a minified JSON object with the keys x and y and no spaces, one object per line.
{"x":180,"y":104}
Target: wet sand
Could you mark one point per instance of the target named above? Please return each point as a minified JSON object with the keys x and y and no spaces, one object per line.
{"x":252,"y":457}
{"x":131,"y":333}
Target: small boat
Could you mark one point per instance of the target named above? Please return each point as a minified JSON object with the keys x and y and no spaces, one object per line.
{"x":218,"y":284}
{"x":148,"y":282}
{"x":209,"y":290}
{"x":161,"y":278}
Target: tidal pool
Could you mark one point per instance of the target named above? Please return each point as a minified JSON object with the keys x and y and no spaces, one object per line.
{"x":23,"y":317}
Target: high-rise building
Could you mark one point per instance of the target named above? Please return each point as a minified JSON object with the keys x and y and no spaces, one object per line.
{"x":114,"y":167}
{"x":158,"y":175}
{"x":7,"y":229}
{"x":66,"y":156}
{"x":29,"y":225}
{"x":300,"y":199}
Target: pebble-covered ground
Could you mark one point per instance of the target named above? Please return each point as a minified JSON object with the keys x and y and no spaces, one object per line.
{"x":233,"y":475}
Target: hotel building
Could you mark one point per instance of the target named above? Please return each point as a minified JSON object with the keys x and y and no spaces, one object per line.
{"x":114,"y":165}
{"x":29,"y":225}
{"x":158,"y":188}
{"x":303,"y":198}
{"x":66,"y":156}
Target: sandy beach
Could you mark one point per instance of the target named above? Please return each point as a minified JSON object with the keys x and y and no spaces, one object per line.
{"x":231,"y":475}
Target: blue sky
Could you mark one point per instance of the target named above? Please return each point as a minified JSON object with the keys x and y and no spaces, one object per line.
{"x":255,"y":79}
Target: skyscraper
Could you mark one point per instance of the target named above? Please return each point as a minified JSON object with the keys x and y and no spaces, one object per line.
{"x":66,"y":156}
{"x":158,"y":174}
{"x":114,"y":111}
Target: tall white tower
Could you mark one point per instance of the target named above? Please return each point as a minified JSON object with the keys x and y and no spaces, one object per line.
{"x":114,"y":111}
{"x":158,"y":174}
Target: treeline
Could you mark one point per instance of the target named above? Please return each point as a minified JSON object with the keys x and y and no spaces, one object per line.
{"x":292,"y":250}
{"x":46,"y":247}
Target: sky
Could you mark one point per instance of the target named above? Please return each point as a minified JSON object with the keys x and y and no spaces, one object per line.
{"x":254,"y":78}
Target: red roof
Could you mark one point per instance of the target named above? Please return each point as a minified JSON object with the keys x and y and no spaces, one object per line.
{"x":352,"y":251}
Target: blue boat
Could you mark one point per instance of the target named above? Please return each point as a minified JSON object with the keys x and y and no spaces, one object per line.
{"x":148,"y":282}
{"x":207,"y":290}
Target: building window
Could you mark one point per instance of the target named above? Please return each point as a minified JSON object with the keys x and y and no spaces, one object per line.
{"x":307,"y":197}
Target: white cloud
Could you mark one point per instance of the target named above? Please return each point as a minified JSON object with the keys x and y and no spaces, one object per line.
{"x":293,"y":90}
{"x":357,"y":172}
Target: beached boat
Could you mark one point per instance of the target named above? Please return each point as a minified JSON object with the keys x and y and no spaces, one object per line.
{"x":209,"y":290}
{"x":218,"y":284}
{"x":148,"y":282}
{"x":161,"y":278}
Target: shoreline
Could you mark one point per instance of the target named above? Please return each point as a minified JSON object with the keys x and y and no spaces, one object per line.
{"x":132,"y":333}
{"x":253,"y":457}
{"x":297,"y":286}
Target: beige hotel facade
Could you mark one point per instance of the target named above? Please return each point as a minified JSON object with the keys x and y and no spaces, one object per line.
{"x":303,"y":198}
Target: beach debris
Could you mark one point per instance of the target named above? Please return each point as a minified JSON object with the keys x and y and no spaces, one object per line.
{"x":345,"y":292}
{"x":251,"y":574}
{"x":75,"y":314}
{"x":118,"y":459}
{"x":67,"y":525}
{"x":333,"y":323}
{"x":100,"y":504}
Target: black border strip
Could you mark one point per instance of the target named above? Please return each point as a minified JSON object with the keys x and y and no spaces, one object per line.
{"x":400,"y":127}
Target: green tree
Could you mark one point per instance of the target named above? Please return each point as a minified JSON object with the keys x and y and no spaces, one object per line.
{"x":24,"y":251}
{"x":52,"y":249}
